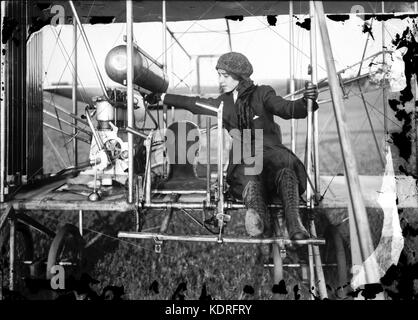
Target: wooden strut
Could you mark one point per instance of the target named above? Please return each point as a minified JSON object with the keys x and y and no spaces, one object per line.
{"x":350,"y":166}
{"x":314,"y":254}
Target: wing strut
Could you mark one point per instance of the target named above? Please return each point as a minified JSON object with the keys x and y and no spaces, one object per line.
{"x":357,"y":208}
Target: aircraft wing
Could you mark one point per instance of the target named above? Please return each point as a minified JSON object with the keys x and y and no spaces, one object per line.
{"x":149,"y":11}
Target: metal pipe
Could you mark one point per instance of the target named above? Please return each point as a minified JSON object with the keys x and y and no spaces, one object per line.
{"x":384,"y":93}
{"x":80,"y":222}
{"x":199,"y":205}
{"x":308,"y":152}
{"x":89,"y":50}
{"x":130,"y":95}
{"x":147,"y":182}
{"x":207,"y":160}
{"x":316,"y":113}
{"x":74,"y":91}
{"x":3,"y":109}
{"x":164,"y":17}
{"x":350,"y":166}
{"x":67,"y":134}
{"x":12,"y":253}
{"x":311,"y":270}
{"x":220,"y":171}
{"x":67,"y":122}
{"x":313,"y":138}
{"x":292,"y":74}
{"x":209,"y":238}
{"x":181,"y":192}
{"x":165,"y":125}
{"x":136,"y":132}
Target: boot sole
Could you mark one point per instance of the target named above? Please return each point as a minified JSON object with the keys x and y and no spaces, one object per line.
{"x":253,"y":223}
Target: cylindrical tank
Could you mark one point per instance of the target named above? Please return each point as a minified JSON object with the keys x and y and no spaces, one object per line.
{"x":146,"y":74}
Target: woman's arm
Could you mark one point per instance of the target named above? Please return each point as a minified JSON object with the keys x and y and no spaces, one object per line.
{"x":191,"y":103}
{"x":283,"y":108}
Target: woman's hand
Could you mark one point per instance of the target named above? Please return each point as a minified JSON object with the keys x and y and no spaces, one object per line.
{"x":311,"y":91}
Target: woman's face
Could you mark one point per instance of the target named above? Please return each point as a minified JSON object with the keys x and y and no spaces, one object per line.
{"x":226,"y":82}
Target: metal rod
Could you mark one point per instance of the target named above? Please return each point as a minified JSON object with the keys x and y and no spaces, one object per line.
{"x":54,"y":149}
{"x":181,"y":192}
{"x":292,"y":75}
{"x":164,"y":17}
{"x":67,"y":113}
{"x":3,"y":109}
{"x":89,"y":50}
{"x":199,"y":205}
{"x":314,"y":77}
{"x":228,"y":30}
{"x":67,"y":134}
{"x":96,"y":136}
{"x":147,"y":182}
{"x":80,"y":219}
{"x":136,"y":132}
{"x":165,"y":125}
{"x":348,"y":81}
{"x":12,"y":262}
{"x":130,"y":96}
{"x":371,"y":127}
{"x":209,"y":238}
{"x":117,"y":206}
{"x":207,"y":160}
{"x":350,"y":166}
{"x":384,"y":93}
{"x":34,"y":224}
{"x":318,"y":265}
{"x":74,"y":91}
{"x":311,"y":270}
{"x":220,"y":170}
{"x":308,"y":152}
{"x":69,"y":123}
{"x":315,"y":114}
{"x":178,"y":42}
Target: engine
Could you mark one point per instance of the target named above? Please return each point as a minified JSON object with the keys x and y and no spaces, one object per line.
{"x":109,"y":146}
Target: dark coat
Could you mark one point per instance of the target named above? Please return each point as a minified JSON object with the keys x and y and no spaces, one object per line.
{"x":265,"y":104}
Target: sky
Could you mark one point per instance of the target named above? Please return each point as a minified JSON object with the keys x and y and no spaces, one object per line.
{"x":267,"y":47}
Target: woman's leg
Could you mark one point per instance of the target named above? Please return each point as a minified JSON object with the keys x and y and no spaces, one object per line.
{"x":250,"y":189}
{"x":285,"y":176}
{"x":287,"y":189}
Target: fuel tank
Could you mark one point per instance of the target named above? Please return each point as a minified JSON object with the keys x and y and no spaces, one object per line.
{"x":146,"y":73}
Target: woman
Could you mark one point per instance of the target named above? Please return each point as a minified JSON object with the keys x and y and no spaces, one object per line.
{"x":251,"y":107}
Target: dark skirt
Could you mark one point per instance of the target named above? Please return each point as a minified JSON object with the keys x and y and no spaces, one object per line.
{"x":275,"y":158}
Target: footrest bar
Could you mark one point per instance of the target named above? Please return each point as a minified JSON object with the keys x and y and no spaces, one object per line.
{"x":210,"y":238}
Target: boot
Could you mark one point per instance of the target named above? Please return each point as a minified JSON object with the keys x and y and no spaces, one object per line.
{"x":256,"y":208}
{"x":288,"y":190}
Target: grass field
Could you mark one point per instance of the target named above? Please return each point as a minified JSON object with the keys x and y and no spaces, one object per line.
{"x":225,"y":269}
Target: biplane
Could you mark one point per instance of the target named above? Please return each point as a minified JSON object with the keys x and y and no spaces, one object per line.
{"x":128,"y":166}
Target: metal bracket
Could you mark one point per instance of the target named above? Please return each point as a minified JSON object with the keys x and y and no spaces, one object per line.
{"x":223,"y":217}
{"x":140,"y":190}
{"x":157,"y":245}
